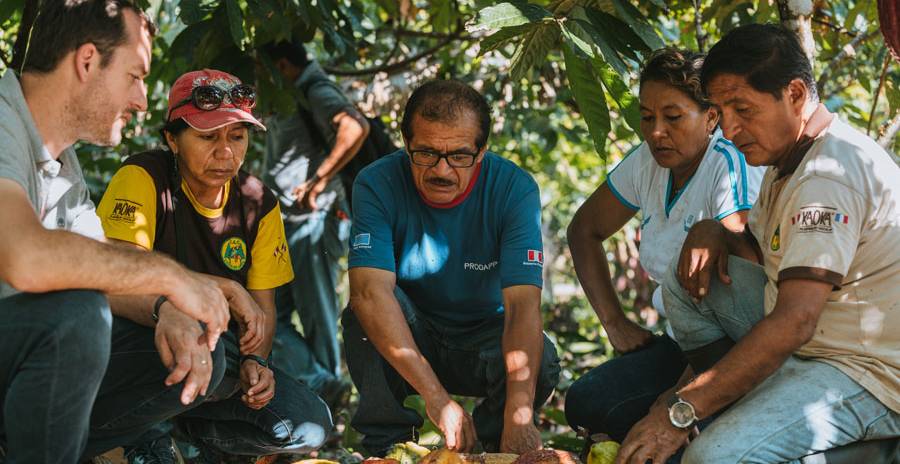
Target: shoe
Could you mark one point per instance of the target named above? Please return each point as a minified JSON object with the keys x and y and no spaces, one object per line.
{"x":159,"y":451}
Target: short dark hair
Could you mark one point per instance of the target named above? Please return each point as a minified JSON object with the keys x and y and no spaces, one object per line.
{"x":64,"y":25}
{"x":768,"y":56}
{"x":447,"y":101}
{"x":174,"y":127}
{"x":679,"y":69}
{"x":295,"y":53}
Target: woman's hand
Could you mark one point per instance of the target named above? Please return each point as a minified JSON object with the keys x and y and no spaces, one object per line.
{"x":258,"y":384}
{"x":249,"y":316}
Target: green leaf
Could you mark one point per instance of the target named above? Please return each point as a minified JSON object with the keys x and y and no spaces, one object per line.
{"x":235,"y":22}
{"x":443,"y":14}
{"x":609,"y":54}
{"x":587,"y":91}
{"x":638,"y":23}
{"x":503,"y":37}
{"x":389,"y":6}
{"x":628,"y":104}
{"x":533,"y":49}
{"x":892,"y":91}
{"x":194,"y":11}
{"x":617,"y":34}
{"x":8,"y":7}
{"x":510,"y":14}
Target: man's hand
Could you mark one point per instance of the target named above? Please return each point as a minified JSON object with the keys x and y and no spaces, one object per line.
{"x":704,"y":251}
{"x":250,"y":317}
{"x":258,"y":383}
{"x":306,"y":193}
{"x":454,"y":422}
{"x":653,"y":439}
{"x":183,"y":350}
{"x":199,"y":297}
{"x":627,"y":336}
{"x":520,"y":439}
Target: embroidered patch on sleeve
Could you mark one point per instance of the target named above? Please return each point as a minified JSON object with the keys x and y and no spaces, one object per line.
{"x":124,"y":211}
{"x":818,"y":219}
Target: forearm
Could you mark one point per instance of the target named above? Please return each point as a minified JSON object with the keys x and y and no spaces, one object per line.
{"x":382,"y":320}
{"x":266,"y":301}
{"x":523,"y":349}
{"x":686,"y":377}
{"x":755,"y":357}
{"x":136,"y":308}
{"x":350,"y":135}
{"x":592,"y":269}
{"x":59,"y":260}
{"x":743,"y":245}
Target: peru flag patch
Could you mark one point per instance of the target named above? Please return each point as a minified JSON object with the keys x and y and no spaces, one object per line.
{"x":535,"y":257}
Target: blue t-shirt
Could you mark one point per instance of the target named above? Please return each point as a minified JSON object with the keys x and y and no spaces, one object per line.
{"x":451,"y":262}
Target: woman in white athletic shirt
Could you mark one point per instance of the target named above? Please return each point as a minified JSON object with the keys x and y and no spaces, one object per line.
{"x":684,"y":172}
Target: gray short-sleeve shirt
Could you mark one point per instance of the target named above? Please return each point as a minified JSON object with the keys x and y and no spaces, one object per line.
{"x":292,"y":153}
{"x":56,"y":188}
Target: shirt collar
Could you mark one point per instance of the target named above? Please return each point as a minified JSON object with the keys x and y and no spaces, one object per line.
{"x":818,"y":121}
{"x":11,"y":92}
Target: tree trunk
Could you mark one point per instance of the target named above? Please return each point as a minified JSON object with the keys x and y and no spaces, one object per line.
{"x":796,"y":15}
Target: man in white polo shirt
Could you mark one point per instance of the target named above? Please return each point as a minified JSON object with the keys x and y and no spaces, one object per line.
{"x":800,"y":355}
{"x":81,"y":80}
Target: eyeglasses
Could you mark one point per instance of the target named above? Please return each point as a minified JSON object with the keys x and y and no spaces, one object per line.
{"x":431,"y":159}
{"x":210,"y":97}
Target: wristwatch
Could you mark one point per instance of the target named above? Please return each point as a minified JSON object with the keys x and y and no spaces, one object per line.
{"x":259,"y":359}
{"x":681,"y":413}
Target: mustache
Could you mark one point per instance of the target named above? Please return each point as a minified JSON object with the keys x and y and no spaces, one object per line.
{"x":440,"y":181}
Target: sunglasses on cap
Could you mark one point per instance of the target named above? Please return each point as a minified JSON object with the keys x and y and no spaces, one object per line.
{"x":210,"y":97}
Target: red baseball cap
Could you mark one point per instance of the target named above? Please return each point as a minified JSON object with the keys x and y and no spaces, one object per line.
{"x":227,"y":113}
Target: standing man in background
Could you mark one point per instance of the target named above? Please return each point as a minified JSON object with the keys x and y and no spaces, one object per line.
{"x":305,"y":150}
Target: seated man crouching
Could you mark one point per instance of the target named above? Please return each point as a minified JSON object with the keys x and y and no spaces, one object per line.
{"x":445,"y":284}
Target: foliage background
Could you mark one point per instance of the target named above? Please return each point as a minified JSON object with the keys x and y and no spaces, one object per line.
{"x":561,"y":77}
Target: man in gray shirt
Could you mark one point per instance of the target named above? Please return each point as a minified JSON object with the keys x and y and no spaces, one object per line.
{"x":305,"y":150}
{"x":81,"y":80}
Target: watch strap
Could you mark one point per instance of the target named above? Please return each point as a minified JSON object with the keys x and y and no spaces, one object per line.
{"x":159,"y":302}
{"x":259,"y":359}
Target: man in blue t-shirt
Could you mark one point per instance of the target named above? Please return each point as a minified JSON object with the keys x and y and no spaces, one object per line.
{"x":445,"y":284}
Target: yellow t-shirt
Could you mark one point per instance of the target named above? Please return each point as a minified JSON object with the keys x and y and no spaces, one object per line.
{"x":129,"y":212}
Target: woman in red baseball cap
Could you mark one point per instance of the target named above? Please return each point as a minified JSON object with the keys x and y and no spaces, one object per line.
{"x":192,"y":201}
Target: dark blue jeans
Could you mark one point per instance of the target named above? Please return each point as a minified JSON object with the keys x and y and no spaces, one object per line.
{"x":55,"y":349}
{"x":467,"y":361}
{"x":134,"y":403}
{"x":615,"y":395}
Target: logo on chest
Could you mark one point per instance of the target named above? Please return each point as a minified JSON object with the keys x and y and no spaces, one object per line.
{"x":480,"y":266}
{"x":234,"y":253}
{"x":776,"y":239}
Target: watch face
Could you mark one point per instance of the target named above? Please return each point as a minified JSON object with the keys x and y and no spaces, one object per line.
{"x":681,"y":414}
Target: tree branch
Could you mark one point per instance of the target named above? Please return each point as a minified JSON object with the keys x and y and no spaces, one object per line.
{"x":399,"y":65}
{"x":890,"y":132}
{"x":887,"y":61}
{"x":835,"y":27}
{"x":698,"y":28}
{"x":845,"y":54}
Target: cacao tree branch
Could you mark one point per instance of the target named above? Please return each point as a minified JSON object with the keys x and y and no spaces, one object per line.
{"x":835,"y":27}
{"x":890,"y":132}
{"x":845,"y":54}
{"x":398,"y":65}
{"x":796,"y":15}
{"x":698,"y":27}
{"x":887,"y":61}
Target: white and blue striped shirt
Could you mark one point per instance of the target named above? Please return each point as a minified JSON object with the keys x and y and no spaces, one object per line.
{"x":722,"y":185}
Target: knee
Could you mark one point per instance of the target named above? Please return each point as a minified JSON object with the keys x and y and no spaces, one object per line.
{"x":578,"y":399}
{"x":82,"y":324}
{"x":711,"y":449}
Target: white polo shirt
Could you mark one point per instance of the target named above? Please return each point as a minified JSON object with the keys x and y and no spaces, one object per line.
{"x":722,"y":185}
